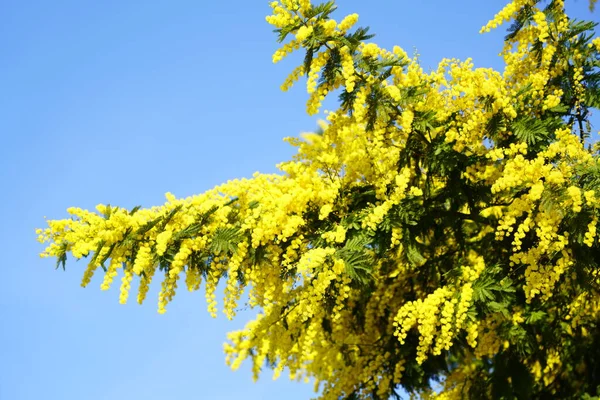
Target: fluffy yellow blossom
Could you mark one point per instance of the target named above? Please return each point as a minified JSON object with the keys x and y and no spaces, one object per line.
{"x":303,"y":33}
{"x":347,"y":23}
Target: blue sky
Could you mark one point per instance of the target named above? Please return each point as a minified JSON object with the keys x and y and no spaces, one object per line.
{"x":119,"y":102}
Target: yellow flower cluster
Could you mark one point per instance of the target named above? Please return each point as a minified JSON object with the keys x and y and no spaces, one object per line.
{"x":370,"y":50}
{"x":488,"y":343}
{"x":337,"y":236}
{"x":347,"y":23}
{"x":303,"y":33}
{"x":282,"y":14}
{"x":552,"y":367}
{"x":590,"y":235}
{"x":317,"y":63}
{"x":286,"y":50}
{"x":439,"y":316}
{"x":348,"y":69}
{"x":506,"y":14}
{"x":360,"y":110}
{"x":407,"y":120}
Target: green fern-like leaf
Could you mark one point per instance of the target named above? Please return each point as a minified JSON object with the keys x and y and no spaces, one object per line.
{"x":530,"y":130}
{"x":225,"y":240}
{"x":357,"y":258}
{"x":321,"y":11}
{"x":535,"y":316}
{"x":414,"y":256}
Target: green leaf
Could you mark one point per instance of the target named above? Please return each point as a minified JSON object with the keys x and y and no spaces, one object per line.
{"x":360,"y":35}
{"x":134,"y":210}
{"x":108,"y":253}
{"x":225,"y":240}
{"x":482,"y":290}
{"x":142,"y":230}
{"x":170,"y":216}
{"x":530,"y":130}
{"x":308,"y":58}
{"x":97,"y":252}
{"x":499,"y":308}
{"x":357,"y":258}
{"x":414,"y":256}
{"x":107,"y":211}
{"x":61,"y":258}
{"x":283,"y":32}
{"x":560,"y":109}
{"x":189,"y":232}
{"x":535,"y":316}
{"x":322,"y":10}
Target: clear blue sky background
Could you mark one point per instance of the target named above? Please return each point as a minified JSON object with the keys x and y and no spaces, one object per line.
{"x":119,"y":102}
